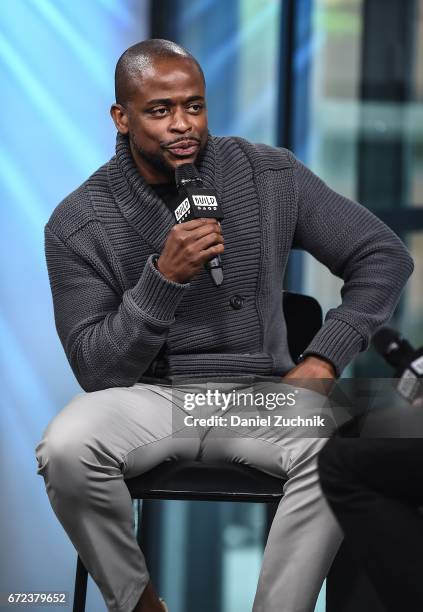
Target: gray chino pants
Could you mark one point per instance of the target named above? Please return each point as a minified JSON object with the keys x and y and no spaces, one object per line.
{"x":102,"y":437}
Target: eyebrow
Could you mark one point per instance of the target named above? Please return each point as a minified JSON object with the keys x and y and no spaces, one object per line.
{"x":170,"y":101}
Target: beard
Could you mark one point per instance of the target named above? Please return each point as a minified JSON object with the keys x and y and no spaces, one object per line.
{"x":156,"y":160}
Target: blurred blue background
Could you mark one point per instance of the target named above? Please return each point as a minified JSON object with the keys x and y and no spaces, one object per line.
{"x":340,"y":82}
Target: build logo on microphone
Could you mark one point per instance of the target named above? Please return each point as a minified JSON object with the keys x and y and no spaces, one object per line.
{"x":205,"y":202}
{"x":182,"y":210}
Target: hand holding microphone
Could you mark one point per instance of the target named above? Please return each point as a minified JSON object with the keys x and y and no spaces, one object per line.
{"x":196,"y":240}
{"x":188,"y":247}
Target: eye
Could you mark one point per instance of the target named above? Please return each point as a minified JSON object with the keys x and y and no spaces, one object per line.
{"x":158,"y":111}
{"x":196,"y":107}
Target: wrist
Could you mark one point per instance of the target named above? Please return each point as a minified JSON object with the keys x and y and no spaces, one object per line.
{"x":167,"y":275}
{"x":318,"y":363}
{"x":158,"y":267}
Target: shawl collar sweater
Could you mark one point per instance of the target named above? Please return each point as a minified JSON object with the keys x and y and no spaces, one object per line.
{"x":120,"y":321}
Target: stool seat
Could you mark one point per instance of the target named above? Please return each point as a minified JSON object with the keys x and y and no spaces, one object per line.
{"x":194,"y":480}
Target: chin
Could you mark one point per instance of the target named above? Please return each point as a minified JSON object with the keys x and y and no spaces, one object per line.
{"x":185,"y":160}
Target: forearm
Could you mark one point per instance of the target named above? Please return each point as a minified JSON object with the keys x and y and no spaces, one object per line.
{"x":373,"y":281}
{"x":117,"y":350}
{"x":357,"y":247}
{"x":109,"y":339}
{"x":104,"y":357}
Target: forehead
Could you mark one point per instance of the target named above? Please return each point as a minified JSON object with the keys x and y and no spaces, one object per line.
{"x":167,"y":78}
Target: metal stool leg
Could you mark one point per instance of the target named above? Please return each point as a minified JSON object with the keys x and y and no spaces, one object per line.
{"x":80,"y":592}
{"x":271,"y":508}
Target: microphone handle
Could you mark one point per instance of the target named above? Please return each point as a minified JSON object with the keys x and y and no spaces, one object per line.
{"x":214,"y":268}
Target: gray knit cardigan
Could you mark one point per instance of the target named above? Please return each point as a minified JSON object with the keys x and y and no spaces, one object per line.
{"x":120,"y":320}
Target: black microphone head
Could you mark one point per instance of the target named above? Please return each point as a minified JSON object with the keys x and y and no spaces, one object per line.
{"x":384,"y":339}
{"x":186,"y":173}
{"x":392,"y":346}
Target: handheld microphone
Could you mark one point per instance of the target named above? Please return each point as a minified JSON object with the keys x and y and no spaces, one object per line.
{"x":194,"y":202}
{"x":407,"y":361}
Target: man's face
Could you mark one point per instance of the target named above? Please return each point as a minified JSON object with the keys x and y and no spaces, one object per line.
{"x":165,"y":117}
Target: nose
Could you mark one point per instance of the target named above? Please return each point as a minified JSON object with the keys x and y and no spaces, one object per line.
{"x":180,"y":121}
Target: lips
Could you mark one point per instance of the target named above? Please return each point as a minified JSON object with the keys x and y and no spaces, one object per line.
{"x":185,"y":148}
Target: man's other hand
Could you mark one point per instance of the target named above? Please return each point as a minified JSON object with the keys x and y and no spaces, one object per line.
{"x":188,"y":247}
{"x":313,"y":373}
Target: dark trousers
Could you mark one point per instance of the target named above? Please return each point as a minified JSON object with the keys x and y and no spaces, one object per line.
{"x":375,"y":489}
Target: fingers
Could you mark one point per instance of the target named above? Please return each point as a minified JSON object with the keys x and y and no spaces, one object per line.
{"x":188,"y":246}
{"x":196,"y":223}
{"x":185,"y":235}
{"x":207,"y":241}
{"x":213,"y":251}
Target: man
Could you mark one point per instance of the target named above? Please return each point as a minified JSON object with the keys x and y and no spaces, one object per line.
{"x":135,"y":310}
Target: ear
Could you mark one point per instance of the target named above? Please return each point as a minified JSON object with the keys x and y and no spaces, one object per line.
{"x":120,"y":118}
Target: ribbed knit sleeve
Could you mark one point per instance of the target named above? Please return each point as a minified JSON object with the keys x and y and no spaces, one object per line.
{"x":109,"y":339}
{"x":357,"y":247}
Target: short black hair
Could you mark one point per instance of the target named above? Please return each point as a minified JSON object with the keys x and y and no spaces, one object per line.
{"x":141,"y":55}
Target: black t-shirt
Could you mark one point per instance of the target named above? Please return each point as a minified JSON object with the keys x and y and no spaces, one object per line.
{"x":167,"y":192}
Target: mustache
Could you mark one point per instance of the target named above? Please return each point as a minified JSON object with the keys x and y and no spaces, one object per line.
{"x":164,"y":145}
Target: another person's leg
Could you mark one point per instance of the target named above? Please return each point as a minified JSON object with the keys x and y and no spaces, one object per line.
{"x":375,"y":487}
{"x":87,"y":450}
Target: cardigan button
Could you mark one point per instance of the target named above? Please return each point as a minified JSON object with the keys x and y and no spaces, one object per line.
{"x":236,"y":302}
